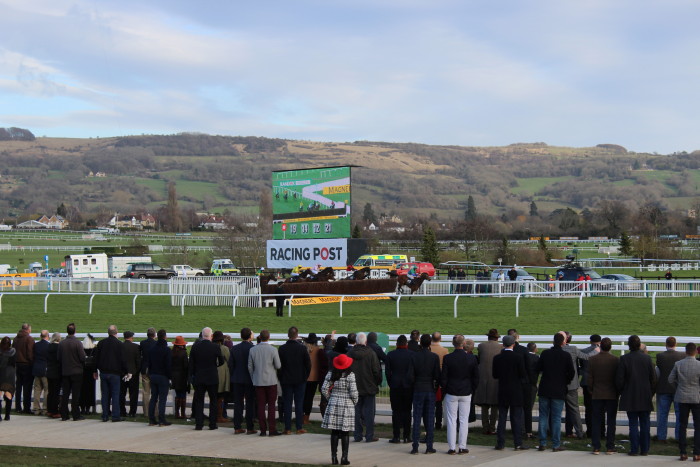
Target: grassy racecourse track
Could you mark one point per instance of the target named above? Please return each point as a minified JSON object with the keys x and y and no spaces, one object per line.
{"x":674,"y":316}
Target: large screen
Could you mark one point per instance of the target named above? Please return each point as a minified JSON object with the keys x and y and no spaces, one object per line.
{"x":311,"y":203}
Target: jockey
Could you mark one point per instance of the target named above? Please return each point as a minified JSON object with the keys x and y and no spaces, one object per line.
{"x":261,"y":271}
{"x":315,"y":270}
{"x":296,"y":271}
{"x":412,"y":273}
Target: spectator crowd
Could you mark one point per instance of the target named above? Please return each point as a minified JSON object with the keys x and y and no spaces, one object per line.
{"x":428,"y":384}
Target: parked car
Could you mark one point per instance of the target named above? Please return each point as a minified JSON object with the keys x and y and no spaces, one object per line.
{"x":523,"y":275}
{"x":624,"y":281}
{"x":148,"y":271}
{"x":185,"y":270}
{"x":403,"y":268}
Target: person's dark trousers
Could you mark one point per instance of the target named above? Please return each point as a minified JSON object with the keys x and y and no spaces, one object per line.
{"x":438,"y":414}
{"x":516,"y":424}
{"x":23,"y":393}
{"x":198,"y":404}
{"x":109,"y":385}
{"x":364,"y":416}
{"x":603,"y":409}
{"x":640,"y":434}
{"x":159,"y":394}
{"x":529,"y":397}
{"x":132,"y":387}
{"x":266,"y":396}
{"x":53,"y":398}
{"x":588,"y":408}
{"x":293,"y":392}
{"x":423,"y":408}
{"x":71,"y":386}
{"x":309,"y":393}
{"x":243,"y":397}
{"x":684,"y":412}
{"x":401,"y":401}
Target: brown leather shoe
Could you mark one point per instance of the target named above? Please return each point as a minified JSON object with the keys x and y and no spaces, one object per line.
{"x":301,"y":432}
{"x":251,"y":432}
{"x":684,"y":457}
{"x":239,"y":431}
{"x":287,"y":432}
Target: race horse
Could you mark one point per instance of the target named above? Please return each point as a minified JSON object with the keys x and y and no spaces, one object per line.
{"x":266,"y":279}
{"x":359,"y":274}
{"x":404,"y":284}
{"x":325,"y":275}
{"x":302,"y":277}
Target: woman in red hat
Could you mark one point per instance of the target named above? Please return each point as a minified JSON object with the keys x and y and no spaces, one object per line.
{"x":340,"y":389}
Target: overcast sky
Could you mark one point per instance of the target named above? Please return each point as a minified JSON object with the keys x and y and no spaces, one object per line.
{"x":462,"y":72}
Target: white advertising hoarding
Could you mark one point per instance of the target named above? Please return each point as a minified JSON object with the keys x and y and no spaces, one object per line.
{"x":287,"y":254}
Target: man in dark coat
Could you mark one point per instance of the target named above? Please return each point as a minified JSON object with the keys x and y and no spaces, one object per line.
{"x":459,"y":379}
{"x":160,"y":363}
{"x":426,"y":376}
{"x":242,"y":384}
{"x":602,"y":369}
{"x":296,"y":366}
{"x":368,"y":376}
{"x":509,"y":370}
{"x":23,"y":344}
{"x":109,"y":358}
{"x":557,"y":370}
{"x":414,"y":341}
{"x":525,"y":383}
{"x":130,"y":381}
{"x":372,"y":344}
{"x":636,"y":381}
{"x":41,"y":382}
{"x":205,"y":357}
{"x":71,"y":354}
{"x":399,"y":377}
{"x":145,"y":345}
{"x":533,"y":376}
{"x":665,"y":391}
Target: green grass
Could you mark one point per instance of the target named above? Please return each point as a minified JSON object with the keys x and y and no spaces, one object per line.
{"x":534,"y":184}
{"x":20,"y":455}
{"x":674,"y":316}
{"x":192,"y":189}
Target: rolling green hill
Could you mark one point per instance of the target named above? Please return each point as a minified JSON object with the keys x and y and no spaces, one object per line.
{"x":228,"y":174}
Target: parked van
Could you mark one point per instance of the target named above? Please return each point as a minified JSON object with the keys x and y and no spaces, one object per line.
{"x":83,"y":266}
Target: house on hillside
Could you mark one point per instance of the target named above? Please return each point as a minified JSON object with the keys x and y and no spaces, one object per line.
{"x":213,"y":223}
{"x":55,"y":222}
{"x":133,"y":221}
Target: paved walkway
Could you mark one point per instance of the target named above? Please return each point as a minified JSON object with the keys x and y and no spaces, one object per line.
{"x":308,"y":448}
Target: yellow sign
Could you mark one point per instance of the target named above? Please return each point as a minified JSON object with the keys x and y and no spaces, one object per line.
{"x":332,"y":190}
{"x":320,"y":300}
{"x":10,"y":280}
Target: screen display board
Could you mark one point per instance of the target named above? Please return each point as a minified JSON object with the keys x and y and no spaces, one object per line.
{"x":311,"y":203}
